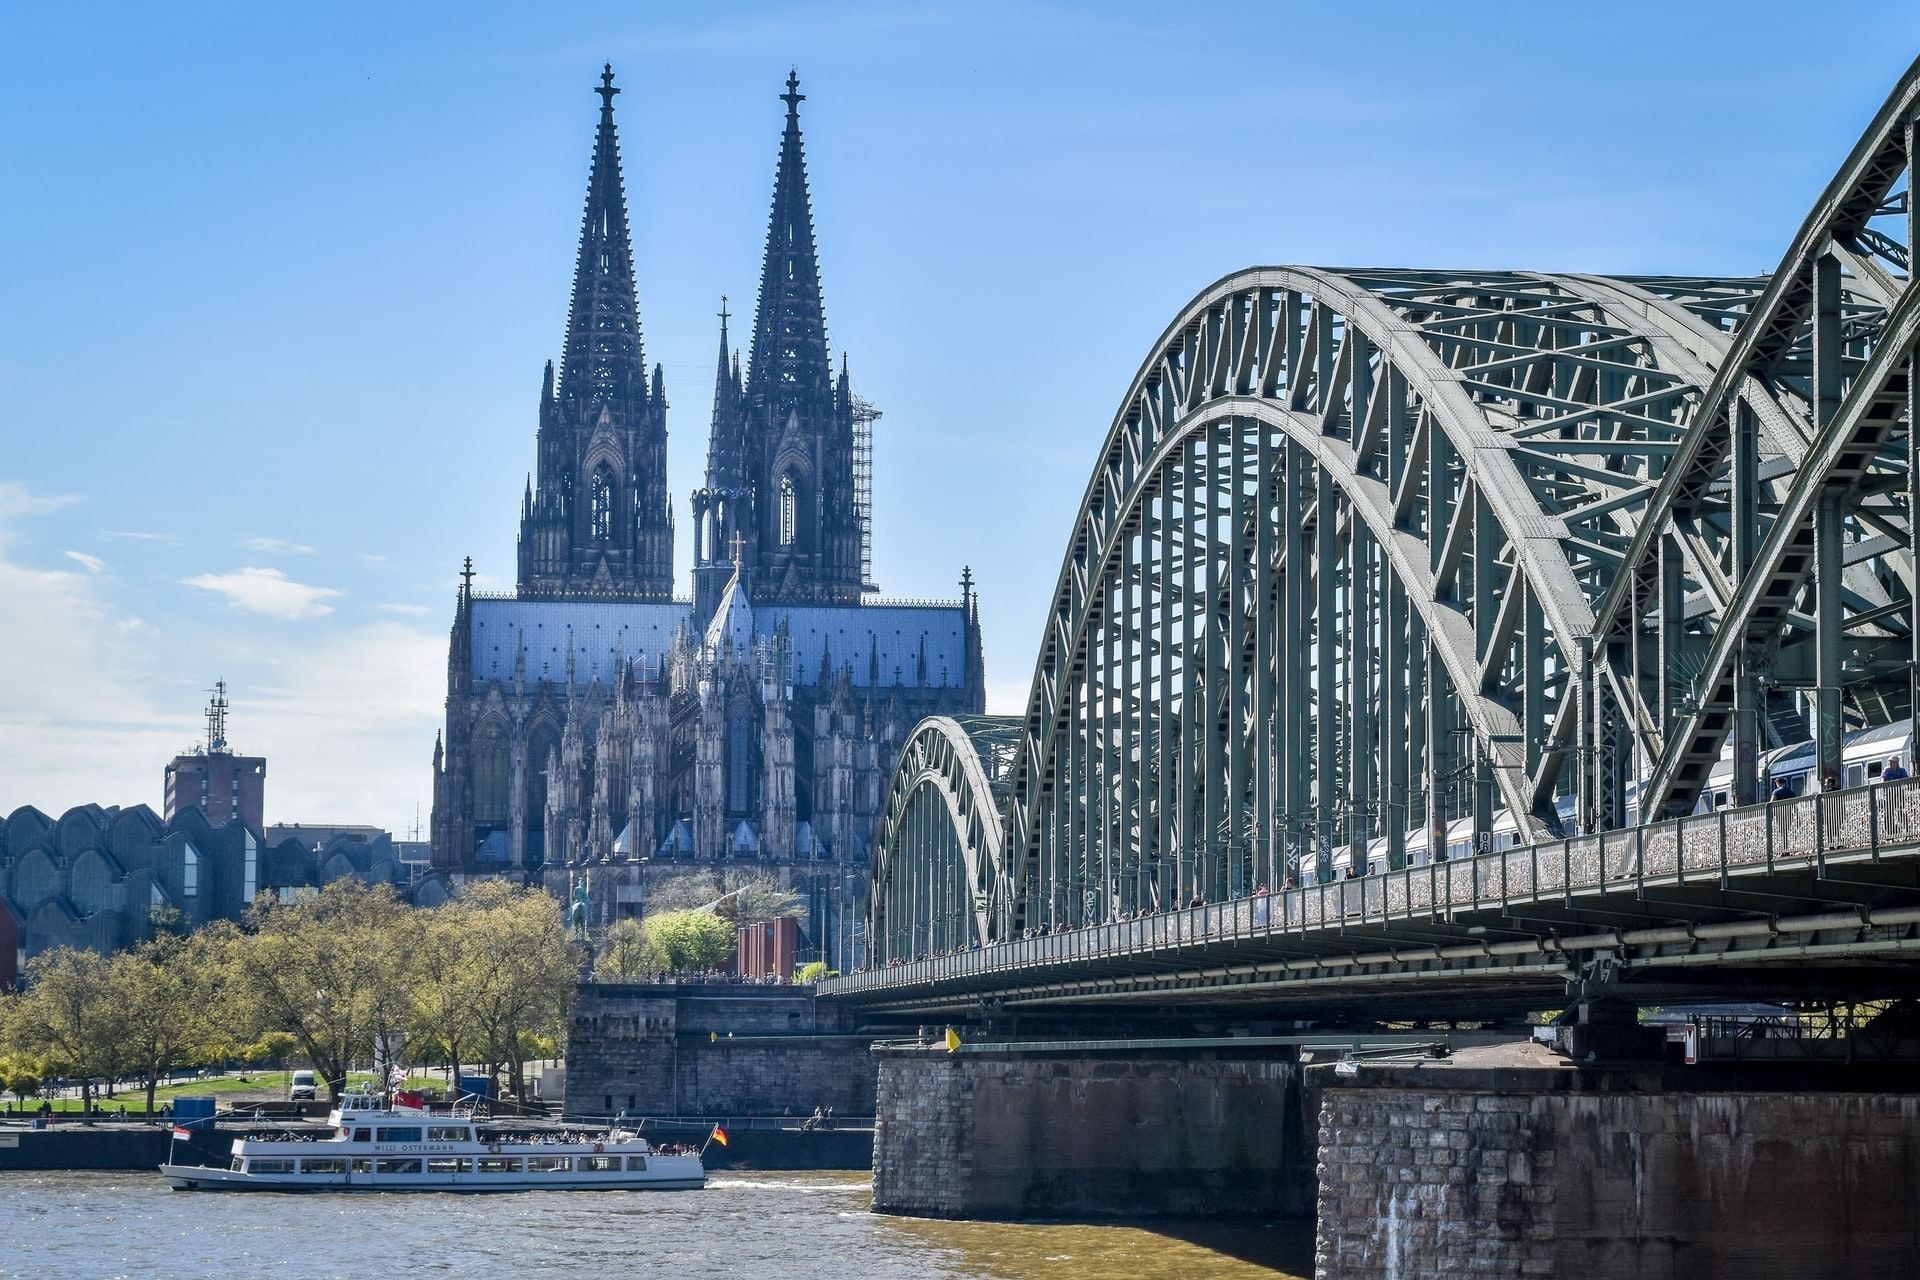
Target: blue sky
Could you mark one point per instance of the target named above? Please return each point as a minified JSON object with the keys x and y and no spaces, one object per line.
{"x":278,"y":284}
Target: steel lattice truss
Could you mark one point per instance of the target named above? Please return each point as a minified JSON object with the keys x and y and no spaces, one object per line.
{"x":1371,"y":551}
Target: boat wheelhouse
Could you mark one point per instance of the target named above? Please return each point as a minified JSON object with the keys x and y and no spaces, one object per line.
{"x":375,"y":1146}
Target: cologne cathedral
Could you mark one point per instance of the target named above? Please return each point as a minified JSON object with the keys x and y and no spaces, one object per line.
{"x":599,"y":729}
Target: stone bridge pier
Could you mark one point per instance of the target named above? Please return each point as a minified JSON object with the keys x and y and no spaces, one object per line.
{"x":1500,"y":1160}
{"x":1517,"y":1163}
{"x":1093,"y":1130}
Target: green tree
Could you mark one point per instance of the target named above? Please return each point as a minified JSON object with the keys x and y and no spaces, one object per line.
{"x":70,"y":1016}
{"x":688,"y":940}
{"x":521,"y":971}
{"x":167,"y":990}
{"x":325,"y":969}
{"x":811,"y":972}
{"x":624,"y":954}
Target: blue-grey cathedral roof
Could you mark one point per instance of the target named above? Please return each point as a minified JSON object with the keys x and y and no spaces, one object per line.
{"x":879,"y":645}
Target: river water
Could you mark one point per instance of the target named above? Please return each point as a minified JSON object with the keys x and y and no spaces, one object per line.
{"x":777,"y":1226}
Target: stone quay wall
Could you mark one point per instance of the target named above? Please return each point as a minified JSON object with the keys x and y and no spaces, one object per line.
{"x":1519,"y":1181}
{"x":715,"y":1050}
{"x":1092,"y":1133}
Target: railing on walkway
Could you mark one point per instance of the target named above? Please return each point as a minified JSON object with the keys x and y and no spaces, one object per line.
{"x":1860,"y":824}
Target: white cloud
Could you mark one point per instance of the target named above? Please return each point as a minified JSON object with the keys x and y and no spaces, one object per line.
{"x":16,"y":501}
{"x":93,"y":706}
{"x":407,"y":610}
{"x":267,"y":591}
{"x":92,"y":564}
{"x":348,"y":727}
{"x":276,"y":546}
{"x":76,"y":722}
{"x":141,"y":535}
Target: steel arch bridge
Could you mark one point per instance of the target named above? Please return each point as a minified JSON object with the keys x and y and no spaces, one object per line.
{"x":1369,"y":552}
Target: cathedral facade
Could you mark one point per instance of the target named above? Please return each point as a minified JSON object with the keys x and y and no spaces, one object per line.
{"x":601,"y":730}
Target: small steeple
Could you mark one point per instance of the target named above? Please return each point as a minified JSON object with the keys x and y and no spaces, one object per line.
{"x":726,"y":469}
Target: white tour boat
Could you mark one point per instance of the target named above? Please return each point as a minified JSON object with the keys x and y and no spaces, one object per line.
{"x":376,"y":1146}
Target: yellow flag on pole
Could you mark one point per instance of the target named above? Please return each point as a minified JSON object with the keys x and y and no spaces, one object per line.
{"x":953,"y":1040}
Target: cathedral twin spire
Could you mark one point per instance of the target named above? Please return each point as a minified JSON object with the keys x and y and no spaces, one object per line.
{"x":596,"y":520}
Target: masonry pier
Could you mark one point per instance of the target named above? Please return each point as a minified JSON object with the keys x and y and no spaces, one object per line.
{"x":1519,"y":1164}
{"x":1093,"y":1129}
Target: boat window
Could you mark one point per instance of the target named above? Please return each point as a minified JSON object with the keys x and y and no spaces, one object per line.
{"x":636,"y":1163}
{"x":600,"y":1164}
{"x":409,"y":1134}
{"x":323,"y":1164}
{"x":363,"y":1135}
{"x":257,"y":1165}
{"x":399,"y":1166}
{"x":447,"y":1133}
{"x":363,"y":1164}
{"x":450,"y":1164}
{"x":549,"y":1164}
{"x":499,"y":1164}
{"x":237,"y":1163}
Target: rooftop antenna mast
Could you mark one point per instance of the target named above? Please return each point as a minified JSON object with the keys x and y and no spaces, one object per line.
{"x":217,"y":719}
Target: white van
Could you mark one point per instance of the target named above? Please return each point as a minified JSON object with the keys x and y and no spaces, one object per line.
{"x":302,"y":1087}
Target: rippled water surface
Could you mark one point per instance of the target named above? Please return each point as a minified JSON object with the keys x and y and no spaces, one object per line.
{"x":794,"y":1226}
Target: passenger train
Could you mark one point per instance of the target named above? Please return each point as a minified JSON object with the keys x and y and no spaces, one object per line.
{"x":1863,"y":754}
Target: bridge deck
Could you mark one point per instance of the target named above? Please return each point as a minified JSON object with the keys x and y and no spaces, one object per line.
{"x":1827,"y":884}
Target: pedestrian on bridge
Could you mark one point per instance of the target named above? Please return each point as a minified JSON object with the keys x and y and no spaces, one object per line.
{"x":1893,"y":772}
{"x":1782,"y":789}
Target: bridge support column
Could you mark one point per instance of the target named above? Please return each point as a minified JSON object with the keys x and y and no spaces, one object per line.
{"x":1089,"y":1131}
{"x":1533,"y":1170}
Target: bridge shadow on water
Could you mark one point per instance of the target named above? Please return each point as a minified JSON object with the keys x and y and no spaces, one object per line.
{"x":1141,"y":1250}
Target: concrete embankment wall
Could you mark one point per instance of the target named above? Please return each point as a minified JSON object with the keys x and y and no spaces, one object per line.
{"x":993,"y":1132}
{"x":714,"y":1051}
{"x":115,"y":1146}
{"x":1571,"y":1180}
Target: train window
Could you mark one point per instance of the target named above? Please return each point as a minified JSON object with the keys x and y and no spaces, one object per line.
{"x":1855,"y":775}
{"x":1719,"y":799}
{"x":1873,"y":770}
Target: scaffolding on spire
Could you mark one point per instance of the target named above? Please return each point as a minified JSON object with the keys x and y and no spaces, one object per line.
{"x":864,"y":416}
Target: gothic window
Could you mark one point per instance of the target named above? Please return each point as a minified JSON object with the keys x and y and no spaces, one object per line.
{"x":490,"y":776}
{"x":739,"y":763}
{"x":600,"y":503}
{"x":542,"y":755}
{"x":789,"y":511}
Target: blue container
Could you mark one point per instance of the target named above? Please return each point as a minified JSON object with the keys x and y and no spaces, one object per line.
{"x":477,"y":1086}
{"x":194,"y":1113}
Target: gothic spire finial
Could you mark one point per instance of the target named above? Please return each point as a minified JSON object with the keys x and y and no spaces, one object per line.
{"x":606,"y":89}
{"x":792,"y":97}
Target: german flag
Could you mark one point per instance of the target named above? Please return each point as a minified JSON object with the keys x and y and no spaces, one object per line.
{"x":719,"y":1136}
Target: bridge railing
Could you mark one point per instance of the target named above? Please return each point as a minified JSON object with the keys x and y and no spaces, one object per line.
{"x":1860,"y":824}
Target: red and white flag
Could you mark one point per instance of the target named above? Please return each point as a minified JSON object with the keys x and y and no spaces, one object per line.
{"x":181,"y":1131}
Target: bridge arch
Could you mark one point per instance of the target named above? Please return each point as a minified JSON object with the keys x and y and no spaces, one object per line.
{"x":1370,"y":554}
{"x":938,"y":875}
